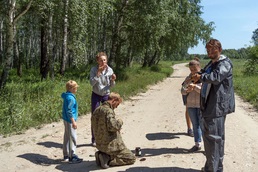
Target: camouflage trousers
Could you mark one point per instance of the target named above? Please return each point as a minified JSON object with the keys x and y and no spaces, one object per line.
{"x":123,"y":157}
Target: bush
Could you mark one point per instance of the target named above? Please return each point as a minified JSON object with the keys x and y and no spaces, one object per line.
{"x":251,"y":66}
{"x":245,"y":86}
{"x":155,"y":68}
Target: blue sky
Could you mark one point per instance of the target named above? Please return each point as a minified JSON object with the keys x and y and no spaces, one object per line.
{"x":235,"y":21}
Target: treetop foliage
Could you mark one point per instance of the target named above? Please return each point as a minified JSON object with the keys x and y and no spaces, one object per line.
{"x":58,"y":34}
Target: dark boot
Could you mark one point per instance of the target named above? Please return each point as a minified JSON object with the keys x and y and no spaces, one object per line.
{"x":104,"y":159}
{"x":97,"y":158}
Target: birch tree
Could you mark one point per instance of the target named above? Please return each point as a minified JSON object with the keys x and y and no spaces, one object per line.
{"x":10,"y":36}
{"x":64,"y":48}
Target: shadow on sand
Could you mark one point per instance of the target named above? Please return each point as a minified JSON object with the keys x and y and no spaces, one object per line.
{"x":163,"y":136}
{"x":86,"y":165}
{"x":159,"y":169}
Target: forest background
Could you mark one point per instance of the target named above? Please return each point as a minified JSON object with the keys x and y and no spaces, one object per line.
{"x":43,"y":44}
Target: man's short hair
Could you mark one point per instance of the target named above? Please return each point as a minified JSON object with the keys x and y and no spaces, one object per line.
{"x":214,"y":43}
{"x":115,"y":96}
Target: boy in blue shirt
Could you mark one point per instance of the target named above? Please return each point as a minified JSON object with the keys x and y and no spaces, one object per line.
{"x":70,"y":115}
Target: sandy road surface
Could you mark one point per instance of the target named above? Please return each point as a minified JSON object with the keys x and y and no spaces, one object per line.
{"x":153,"y":120}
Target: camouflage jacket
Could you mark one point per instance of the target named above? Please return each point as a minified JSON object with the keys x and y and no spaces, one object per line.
{"x":106,"y":129}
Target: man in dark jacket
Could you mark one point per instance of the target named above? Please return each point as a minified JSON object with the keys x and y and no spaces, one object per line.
{"x":106,"y":129}
{"x":217,"y":100}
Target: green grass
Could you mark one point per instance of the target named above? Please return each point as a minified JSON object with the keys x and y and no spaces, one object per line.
{"x":26,"y":102}
{"x":245,"y":86}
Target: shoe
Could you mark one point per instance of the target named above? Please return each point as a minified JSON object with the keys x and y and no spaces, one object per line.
{"x":194,"y":149}
{"x":97,"y":158}
{"x":104,"y":159}
{"x":66,"y":158}
{"x":190,"y":132}
{"x":75,"y":160}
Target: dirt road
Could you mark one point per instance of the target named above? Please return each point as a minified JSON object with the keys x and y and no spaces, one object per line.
{"x":154,"y":121}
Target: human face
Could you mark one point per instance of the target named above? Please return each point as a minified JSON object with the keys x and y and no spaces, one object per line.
{"x":102,"y":60}
{"x":194,"y":69}
{"x":74,"y":90}
{"x":213,"y":52}
{"x":115,"y":103}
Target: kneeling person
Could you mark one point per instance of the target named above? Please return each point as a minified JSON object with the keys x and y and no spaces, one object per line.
{"x":106,"y":129}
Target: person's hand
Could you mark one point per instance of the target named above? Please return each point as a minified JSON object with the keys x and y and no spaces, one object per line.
{"x":190,"y":87}
{"x":101,"y":69}
{"x":196,"y":77}
{"x":113,"y":77}
{"x":74,"y":125}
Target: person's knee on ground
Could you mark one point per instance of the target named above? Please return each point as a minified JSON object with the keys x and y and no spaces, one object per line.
{"x":125,"y":157}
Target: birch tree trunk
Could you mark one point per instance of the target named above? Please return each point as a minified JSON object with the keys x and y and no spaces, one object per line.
{"x":9,"y":43}
{"x":11,"y":21}
{"x":115,"y":48}
{"x":51,"y":48}
{"x":1,"y":41}
{"x":64,"y":51}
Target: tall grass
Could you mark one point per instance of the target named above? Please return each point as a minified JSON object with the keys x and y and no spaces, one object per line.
{"x":245,"y":86}
{"x":27,"y":102}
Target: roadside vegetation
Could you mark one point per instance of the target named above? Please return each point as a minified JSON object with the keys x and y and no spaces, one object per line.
{"x":29,"y":103}
{"x":245,"y":86}
{"x":246,"y":77}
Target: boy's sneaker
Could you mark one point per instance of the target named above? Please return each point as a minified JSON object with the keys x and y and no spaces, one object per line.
{"x":66,"y":158}
{"x":194,"y":149}
{"x":75,"y":160}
